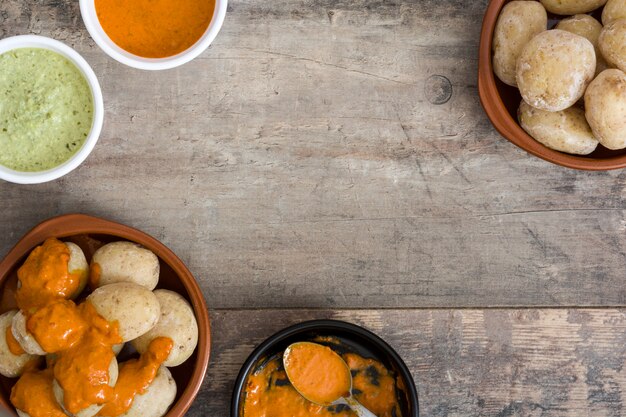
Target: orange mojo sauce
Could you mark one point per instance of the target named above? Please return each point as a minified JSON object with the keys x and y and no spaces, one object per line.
{"x":13,"y":345}
{"x":136,"y":376}
{"x":45,"y":277}
{"x":317,"y":372}
{"x":154,"y":28}
{"x":270,"y":394}
{"x":82,"y":339}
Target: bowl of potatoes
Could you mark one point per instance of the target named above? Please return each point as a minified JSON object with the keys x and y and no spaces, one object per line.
{"x":97,"y":318}
{"x":552,"y":79}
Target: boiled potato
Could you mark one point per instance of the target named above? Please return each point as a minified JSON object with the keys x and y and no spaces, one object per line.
{"x":93,"y":409}
{"x":569,"y":7}
{"x":614,"y":9}
{"x":135,"y":308}
{"x":157,"y":398}
{"x":78,"y":265}
{"x":11,"y":365}
{"x":566,"y":130}
{"x":554,"y":69}
{"x":605,"y":108}
{"x":517,"y":24}
{"x":177,"y":322}
{"x":589,"y":28}
{"x":613,"y":43}
{"x":126,"y":262}
{"x":23,"y":336}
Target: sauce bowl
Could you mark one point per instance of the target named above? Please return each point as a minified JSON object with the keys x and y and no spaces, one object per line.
{"x":89,"y":232}
{"x":501,"y":101}
{"x":90,"y":18}
{"x":354,"y":338}
{"x":34,"y":41}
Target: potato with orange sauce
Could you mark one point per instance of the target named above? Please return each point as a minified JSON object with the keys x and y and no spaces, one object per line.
{"x":93,"y":409}
{"x":178,"y":322}
{"x":11,"y":364}
{"x":124,"y":262}
{"x":157,"y":399}
{"x":24,"y":337}
{"x":135,"y":308}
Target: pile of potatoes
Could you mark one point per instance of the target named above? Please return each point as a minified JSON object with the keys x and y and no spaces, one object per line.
{"x":580,"y":58}
{"x":125,"y":293}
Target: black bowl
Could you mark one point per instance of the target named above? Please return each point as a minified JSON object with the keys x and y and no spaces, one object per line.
{"x":354,"y":338}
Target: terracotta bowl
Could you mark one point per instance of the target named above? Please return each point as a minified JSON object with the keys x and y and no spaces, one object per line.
{"x":501,"y":101}
{"x":90,"y":233}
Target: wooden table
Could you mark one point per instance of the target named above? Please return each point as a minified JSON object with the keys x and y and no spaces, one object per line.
{"x":330,"y":158}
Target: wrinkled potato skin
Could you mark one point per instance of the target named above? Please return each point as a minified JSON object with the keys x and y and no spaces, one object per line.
{"x":614,"y":9}
{"x":570,"y":7}
{"x":518,"y":23}
{"x":127,"y":262}
{"x":613,"y":43}
{"x":605,"y":108}
{"x":135,"y":308}
{"x":157,"y":399}
{"x":554,"y":69}
{"x":177,"y":322}
{"x":590,"y":29}
{"x":11,"y":365}
{"x":564,"y":131}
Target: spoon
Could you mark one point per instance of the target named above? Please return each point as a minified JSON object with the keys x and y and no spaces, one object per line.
{"x":321,"y":376}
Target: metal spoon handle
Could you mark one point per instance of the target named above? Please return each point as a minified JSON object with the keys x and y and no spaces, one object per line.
{"x":358,"y":408}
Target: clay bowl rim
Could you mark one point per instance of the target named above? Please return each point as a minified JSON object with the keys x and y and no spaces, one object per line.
{"x":76,"y":224}
{"x":506,"y":125}
{"x":270,"y":344}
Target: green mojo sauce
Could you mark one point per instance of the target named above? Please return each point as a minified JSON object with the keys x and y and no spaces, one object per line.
{"x":46,"y":109}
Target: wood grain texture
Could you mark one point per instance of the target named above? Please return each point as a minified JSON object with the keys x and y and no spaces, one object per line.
{"x":302,"y":155}
{"x":496,"y":363}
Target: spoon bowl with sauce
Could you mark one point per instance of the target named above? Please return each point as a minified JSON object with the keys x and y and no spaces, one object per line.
{"x":321,"y":376}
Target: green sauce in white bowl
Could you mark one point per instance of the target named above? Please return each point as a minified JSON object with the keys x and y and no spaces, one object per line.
{"x":46,"y":109}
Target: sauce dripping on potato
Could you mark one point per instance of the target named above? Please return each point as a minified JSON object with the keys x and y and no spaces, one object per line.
{"x":45,"y":276}
{"x":136,"y":376}
{"x":82,"y":339}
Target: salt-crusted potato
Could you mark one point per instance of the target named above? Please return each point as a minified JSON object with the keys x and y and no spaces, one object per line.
{"x":93,"y":409}
{"x":613,"y":10}
{"x":518,"y":23}
{"x":126,"y":262}
{"x":157,"y":399}
{"x":589,"y":28}
{"x":612,"y":43}
{"x":569,"y":7}
{"x":177,"y":322}
{"x":23,"y":336}
{"x":605,"y":108}
{"x":554,"y":69}
{"x":78,"y":265}
{"x":135,"y":308}
{"x":565,"y":131}
{"x":11,"y":365}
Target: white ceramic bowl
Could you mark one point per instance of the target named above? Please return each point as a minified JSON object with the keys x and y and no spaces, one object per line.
{"x":33,"y":41}
{"x":88,"y":12}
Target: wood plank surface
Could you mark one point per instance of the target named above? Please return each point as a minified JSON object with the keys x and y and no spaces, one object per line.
{"x":496,"y":363}
{"x":332,"y":154}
